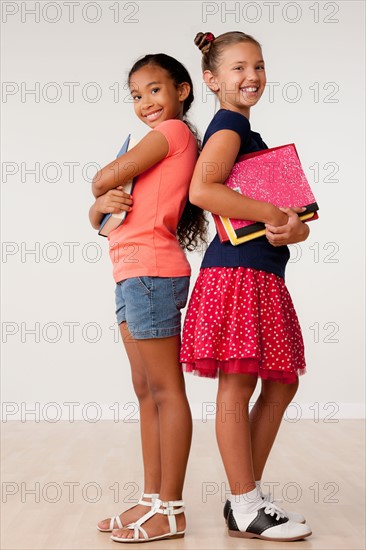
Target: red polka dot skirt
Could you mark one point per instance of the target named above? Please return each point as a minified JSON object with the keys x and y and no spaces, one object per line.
{"x":241,"y":320}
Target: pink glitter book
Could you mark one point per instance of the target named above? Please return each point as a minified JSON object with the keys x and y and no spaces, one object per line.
{"x":271,"y":175}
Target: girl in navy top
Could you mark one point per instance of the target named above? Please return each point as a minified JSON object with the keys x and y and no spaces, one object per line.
{"x":241,"y":323}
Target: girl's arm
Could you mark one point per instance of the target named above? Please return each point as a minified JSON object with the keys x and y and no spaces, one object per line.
{"x":148,"y":152}
{"x":112,"y":202}
{"x":208,"y":192}
{"x":95,"y":217}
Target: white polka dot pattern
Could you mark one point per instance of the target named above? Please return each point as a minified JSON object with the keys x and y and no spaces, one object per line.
{"x":242,"y":320}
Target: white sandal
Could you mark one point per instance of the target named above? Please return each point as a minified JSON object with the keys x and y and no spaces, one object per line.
{"x":117,"y":519}
{"x":167,"y":508}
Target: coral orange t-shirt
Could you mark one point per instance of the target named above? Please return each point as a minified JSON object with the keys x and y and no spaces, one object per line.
{"x":146,"y":242}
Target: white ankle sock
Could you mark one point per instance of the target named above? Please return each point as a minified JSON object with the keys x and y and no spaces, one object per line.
{"x":258,"y":485}
{"x":246,"y":503}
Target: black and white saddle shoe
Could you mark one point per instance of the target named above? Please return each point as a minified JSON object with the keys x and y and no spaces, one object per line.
{"x":267,"y":523}
{"x":227,"y":508}
{"x":293,"y":516}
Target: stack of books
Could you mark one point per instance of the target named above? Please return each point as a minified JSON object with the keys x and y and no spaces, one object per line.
{"x":112,"y":221}
{"x":271,"y":175}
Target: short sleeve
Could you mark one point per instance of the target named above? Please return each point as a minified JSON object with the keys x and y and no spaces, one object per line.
{"x":177,"y":134}
{"x":229,"y":120}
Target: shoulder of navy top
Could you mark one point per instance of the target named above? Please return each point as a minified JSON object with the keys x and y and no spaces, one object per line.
{"x":258,"y":253}
{"x":231,"y":120}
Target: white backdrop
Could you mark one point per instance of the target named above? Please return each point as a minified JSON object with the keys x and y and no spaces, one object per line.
{"x":65,"y":110}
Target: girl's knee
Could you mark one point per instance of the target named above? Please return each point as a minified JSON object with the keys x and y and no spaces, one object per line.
{"x":162,"y":394}
{"x":141,"y":386}
{"x":294,"y":387}
{"x":158,"y":394}
{"x":283,"y":393}
{"x":290,"y":390}
{"x":241,"y":386}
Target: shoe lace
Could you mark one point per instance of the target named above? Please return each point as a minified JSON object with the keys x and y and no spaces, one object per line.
{"x":271,"y":509}
{"x":269,"y":497}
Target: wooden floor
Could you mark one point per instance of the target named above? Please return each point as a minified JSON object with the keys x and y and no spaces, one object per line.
{"x":59,"y":479}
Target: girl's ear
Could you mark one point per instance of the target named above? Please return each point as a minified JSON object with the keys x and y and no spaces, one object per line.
{"x":211,"y":81}
{"x":184,"y":91}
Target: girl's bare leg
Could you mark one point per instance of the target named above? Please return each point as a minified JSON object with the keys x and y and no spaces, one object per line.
{"x":265,"y":420}
{"x":233,"y":429}
{"x":149,"y":427}
{"x":149,"y":417}
{"x":166,"y":382}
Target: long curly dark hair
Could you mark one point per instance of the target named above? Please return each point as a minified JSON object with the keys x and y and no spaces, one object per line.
{"x":193,"y":225}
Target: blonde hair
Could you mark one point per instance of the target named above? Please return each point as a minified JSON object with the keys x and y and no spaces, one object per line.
{"x":212,"y":48}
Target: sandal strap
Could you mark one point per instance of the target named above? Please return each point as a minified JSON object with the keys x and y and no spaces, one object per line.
{"x":169,"y":507}
{"x":136,"y":525}
{"x":172,"y":503}
{"x":144,"y":518}
{"x":136,"y":533}
{"x":150,"y":495}
{"x":153,"y":497}
{"x":168,"y":510}
{"x":117,"y":520}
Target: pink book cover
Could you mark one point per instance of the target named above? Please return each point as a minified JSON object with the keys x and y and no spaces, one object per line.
{"x":271,"y":175}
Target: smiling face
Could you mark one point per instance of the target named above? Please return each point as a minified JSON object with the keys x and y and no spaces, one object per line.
{"x":240,"y":78}
{"x":156,"y":98}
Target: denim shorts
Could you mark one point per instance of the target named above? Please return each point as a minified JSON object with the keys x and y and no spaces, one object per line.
{"x":151,"y":305}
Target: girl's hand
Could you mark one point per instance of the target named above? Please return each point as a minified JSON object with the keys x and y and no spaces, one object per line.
{"x":277,"y":217}
{"x":294,"y":231}
{"x":114,"y":201}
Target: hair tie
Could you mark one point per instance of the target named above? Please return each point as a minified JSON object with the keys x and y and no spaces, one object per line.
{"x":209,"y":37}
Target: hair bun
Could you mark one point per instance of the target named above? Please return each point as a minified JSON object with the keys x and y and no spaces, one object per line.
{"x":203,"y":41}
